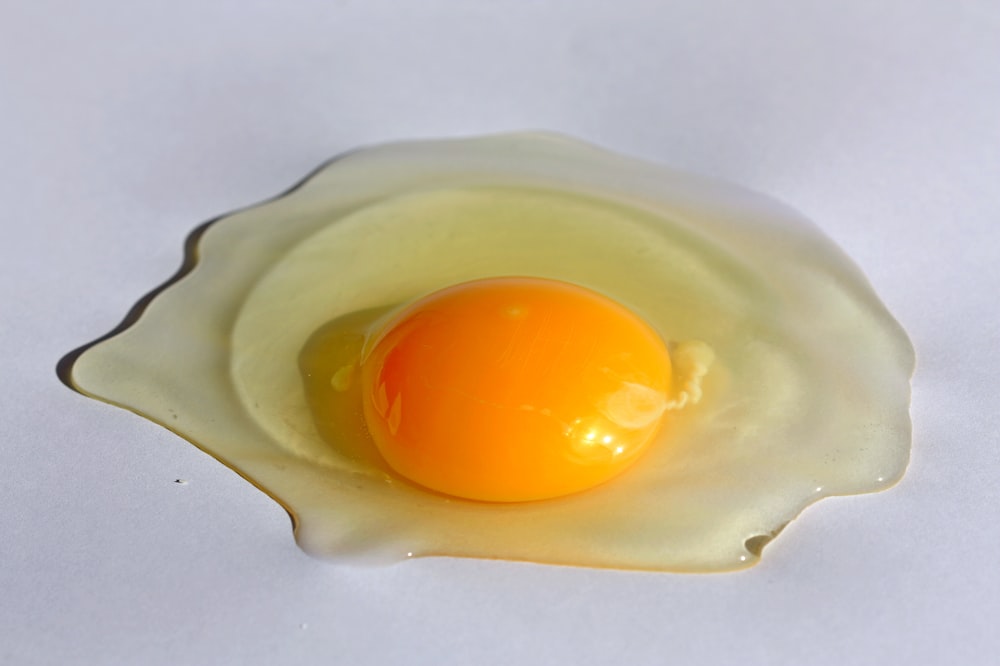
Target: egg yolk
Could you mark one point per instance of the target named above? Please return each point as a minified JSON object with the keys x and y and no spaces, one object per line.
{"x":514,"y":389}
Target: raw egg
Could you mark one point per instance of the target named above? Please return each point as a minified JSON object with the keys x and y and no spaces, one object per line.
{"x":523,"y":347}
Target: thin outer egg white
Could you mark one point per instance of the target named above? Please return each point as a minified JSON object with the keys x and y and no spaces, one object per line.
{"x":809,"y":388}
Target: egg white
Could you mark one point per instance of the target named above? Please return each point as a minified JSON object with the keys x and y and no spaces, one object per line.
{"x":808,"y":396}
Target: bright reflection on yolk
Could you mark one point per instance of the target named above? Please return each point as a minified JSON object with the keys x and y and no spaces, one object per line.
{"x":512,"y":389}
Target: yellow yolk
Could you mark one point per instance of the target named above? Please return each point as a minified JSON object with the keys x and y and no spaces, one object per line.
{"x":513,"y":389}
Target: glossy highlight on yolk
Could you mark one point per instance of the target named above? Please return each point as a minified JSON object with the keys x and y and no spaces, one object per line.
{"x":514,"y":389}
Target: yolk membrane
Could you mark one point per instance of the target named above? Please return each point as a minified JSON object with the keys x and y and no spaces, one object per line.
{"x":514,"y":389}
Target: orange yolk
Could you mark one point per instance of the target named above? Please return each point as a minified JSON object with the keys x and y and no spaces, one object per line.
{"x":513,"y":389}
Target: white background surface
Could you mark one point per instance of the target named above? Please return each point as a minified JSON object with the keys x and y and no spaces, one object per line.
{"x":125,"y":124}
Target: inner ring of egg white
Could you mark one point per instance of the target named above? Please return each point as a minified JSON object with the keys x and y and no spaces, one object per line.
{"x":783,"y":413}
{"x":397,"y":250}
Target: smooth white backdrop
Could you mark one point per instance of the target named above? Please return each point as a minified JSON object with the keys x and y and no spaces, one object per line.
{"x":125,"y":124}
